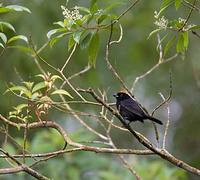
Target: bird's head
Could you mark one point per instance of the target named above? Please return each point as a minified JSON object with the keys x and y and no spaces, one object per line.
{"x":121,"y":96}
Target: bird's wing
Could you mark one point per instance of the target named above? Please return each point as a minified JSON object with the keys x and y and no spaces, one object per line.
{"x":132,"y":107}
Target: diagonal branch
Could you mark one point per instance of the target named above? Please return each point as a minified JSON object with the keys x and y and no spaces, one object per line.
{"x":160,"y":152}
{"x":20,"y":167}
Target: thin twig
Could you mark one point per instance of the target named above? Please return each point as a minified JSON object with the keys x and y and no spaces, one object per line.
{"x":191,"y":5}
{"x":167,"y":124}
{"x":161,"y":152}
{"x":162,"y":103}
{"x":110,"y":67}
{"x":68,"y":59}
{"x":196,"y":34}
{"x":39,"y":57}
{"x":25,"y":139}
{"x":85,"y":148}
{"x":160,"y":48}
{"x":120,"y":37}
{"x":20,"y":167}
{"x":152,"y":69}
{"x":83,"y":71}
{"x":188,"y":16}
{"x":126,"y":164}
{"x":127,"y":10}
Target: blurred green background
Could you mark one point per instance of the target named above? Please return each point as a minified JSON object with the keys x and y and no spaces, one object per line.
{"x":132,"y":57}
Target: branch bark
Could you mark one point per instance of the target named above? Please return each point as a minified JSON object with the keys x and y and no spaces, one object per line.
{"x":163,"y":153}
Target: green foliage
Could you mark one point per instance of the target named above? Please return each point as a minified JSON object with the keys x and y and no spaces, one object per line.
{"x":4,"y":25}
{"x":93,"y":49}
{"x":178,"y":4}
{"x":11,"y":8}
{"x":90,"y":166}
{"x":177,"y":27}
{"x":61,"y":91}
{"x":169,"y":44}
{"x":38,"y":97}
{"x":82,"y":29}
{"x":18,"y":37}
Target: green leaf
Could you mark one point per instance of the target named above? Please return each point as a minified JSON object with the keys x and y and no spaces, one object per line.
{"x":77,"y":36}
{"x":54,"y":77}
{"x":56,"y":39}
{"x":68,"y":23}
{"x":51,"y":32}
{"x":3,"y":37}
{"x":194,"y":27}
{"x":185,"y":39}
{"x":28,"y":84}
{"x":8,"y":25}
{"x":93,"y":49}
{"x":38,"y":86}
{"x":41,"y":76}
{"x":169,"y":45}
{"x":20,"y":107}
{"x":45,"y":99}
{"x":60,"y":23}
{"x":35,"y":95}
{"x":84,"y":9}
{"x":178,"y":4}
{"x":62,"y":92}
{"x":165,"y":5}
{"x":53,"y":41}
{"x":1,"y":45}
{"x":4,"y":10}
{"x":17,"y":88}
{"x":18,"y":37}
{"x":86,"y":40}
{"x":180,"y":44}
{"x":93,"y":7}
{"x":23,"y":49}
{"x":21,"y":89}
{"x":71,"y":42}
{"x":93,"y":3}
{"x":54,"y":31}
{"x":101,"y":18}
{"x":153,"y":32}
{"x":18,"y":8}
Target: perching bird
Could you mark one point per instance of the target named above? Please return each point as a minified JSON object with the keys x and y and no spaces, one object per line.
{"x":131,"y":110}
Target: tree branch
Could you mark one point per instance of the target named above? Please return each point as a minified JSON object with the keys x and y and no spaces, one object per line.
{"x":161,"y":152}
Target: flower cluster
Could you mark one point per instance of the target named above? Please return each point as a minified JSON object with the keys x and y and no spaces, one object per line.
{"x":187,"y":26}
{"x":73,"y":14}
{"x":181,"y":20}
{"x":162,"y":22}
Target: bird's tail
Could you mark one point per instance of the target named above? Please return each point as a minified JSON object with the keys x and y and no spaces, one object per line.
{"x":155,"y":120}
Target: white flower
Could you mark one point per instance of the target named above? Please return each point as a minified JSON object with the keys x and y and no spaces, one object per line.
{"x":181,"y":20}
{"x":100,"y":11}
{"x":156,"y":15}
{"x":161,"y":22}
{"x":71,"y":15}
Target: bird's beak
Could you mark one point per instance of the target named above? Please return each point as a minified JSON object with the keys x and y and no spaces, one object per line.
{"x":115,"y":95}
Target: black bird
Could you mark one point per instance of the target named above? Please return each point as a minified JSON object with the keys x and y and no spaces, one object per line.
{"x":131,"y":110}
